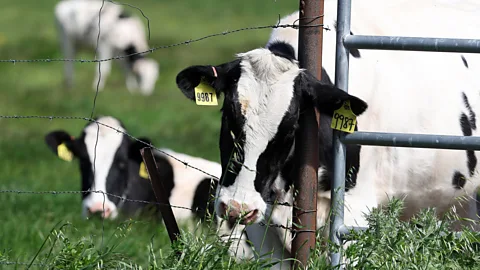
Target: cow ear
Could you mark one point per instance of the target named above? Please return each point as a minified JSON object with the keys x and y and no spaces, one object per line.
{"x":61,"y":143}
{"x":191,"y":77}
{"x":328,"y":98}
{"x":135,"y":147}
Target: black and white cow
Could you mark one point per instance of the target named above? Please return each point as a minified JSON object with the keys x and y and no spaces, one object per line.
{"x":119,"y":34}
{"x":116,"y":172}
{"x":117,"y":165}
{"x":265,"y":92}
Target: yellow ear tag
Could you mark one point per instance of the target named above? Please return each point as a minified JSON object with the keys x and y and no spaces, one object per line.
{"x":344,"y":119}
{"x":143,"y":171}
{"x":205,"y":95}
{"x":64,"y":153}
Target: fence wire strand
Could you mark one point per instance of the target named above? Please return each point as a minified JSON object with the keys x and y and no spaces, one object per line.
{"x":70,"y":192}
{"x":186,"y":42}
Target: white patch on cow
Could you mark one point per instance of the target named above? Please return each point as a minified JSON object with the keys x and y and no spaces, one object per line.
{"x":101,"y":151}
{"x":187,"y":179}
{"x":266,"y":84}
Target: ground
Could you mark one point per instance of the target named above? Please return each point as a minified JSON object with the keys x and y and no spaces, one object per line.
{"x":27,"y":32}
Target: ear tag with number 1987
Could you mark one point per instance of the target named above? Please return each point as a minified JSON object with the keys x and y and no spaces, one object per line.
{"x":344,"y":119}
{"x":205,"y":95}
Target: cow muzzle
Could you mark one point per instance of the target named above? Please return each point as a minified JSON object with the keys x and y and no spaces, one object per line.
{"x":101,"y":210}
{"x":236,"y":212}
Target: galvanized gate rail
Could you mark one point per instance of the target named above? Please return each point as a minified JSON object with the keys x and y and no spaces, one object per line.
{"x":346,"y":41}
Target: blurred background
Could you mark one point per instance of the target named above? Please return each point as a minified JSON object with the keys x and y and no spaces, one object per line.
{"x":27,"y":31}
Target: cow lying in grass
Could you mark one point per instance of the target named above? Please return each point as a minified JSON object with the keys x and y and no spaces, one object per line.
{"x":111,"y":164}
{"x":120,"y":34}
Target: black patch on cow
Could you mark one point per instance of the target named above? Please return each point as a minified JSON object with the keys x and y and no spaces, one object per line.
{"x":138,"y":189}
{"x":232,"y":123}
{"x":132,"y":54}
{"x":466,"y":127}
{"x":464,"y":61}
{"x":124,"y":15}
{"x":203,"y":200}
{"x":472,"y":116}
{"x":471,"y":162}
{"x":282,"y":49}
{"x":458,"y":180}
{"x":117,"y":178}
{"x":271,"y":161}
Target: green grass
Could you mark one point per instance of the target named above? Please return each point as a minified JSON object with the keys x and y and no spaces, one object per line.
{"x":27,"y":32}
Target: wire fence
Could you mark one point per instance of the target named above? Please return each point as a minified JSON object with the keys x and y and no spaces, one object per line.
{"x":146,"y":144}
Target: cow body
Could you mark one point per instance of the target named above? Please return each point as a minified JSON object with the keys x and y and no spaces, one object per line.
{"x":406,"y":92}
{"x":81,"y":23}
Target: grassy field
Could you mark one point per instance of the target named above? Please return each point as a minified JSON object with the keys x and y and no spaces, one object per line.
{"x":26,"y":220}
{"x":27,"y":32}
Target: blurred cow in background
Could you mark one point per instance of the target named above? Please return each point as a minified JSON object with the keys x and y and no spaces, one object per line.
{"x":78,"y":23}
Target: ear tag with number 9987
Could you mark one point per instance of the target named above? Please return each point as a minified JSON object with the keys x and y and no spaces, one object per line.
{"x":205,"y":95}
{"x":344,"y":119}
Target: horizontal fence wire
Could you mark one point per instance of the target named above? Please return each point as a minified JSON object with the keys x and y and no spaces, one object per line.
{"x":70,"y":192}
{"x":186,"y":42}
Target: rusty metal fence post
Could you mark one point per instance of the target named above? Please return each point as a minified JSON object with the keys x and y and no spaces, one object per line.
{"x":306,"y":146}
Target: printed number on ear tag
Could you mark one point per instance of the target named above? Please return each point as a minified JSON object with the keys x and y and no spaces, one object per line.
{"x":205,"y":95}
{"x":64,"y":153}
{"x":344,"y":119}
{"x":143,"y":171}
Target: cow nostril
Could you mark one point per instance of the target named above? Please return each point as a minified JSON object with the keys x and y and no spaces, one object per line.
{"x":250,"y":217}
{"x":223,"y":209}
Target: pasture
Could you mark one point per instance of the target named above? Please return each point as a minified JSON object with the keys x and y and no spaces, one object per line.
{"x":27,"y":31}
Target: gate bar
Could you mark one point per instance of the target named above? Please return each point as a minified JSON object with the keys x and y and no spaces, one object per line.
{"x":339,"y":150}
{"x":412,"y":43}
{"x":413,"y":140}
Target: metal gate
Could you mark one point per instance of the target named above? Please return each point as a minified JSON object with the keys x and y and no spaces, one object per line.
{"x":346,"y":41}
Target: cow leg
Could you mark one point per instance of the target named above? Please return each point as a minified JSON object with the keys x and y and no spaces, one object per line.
{"x":67,"y":46}
{"x":130,"y":79}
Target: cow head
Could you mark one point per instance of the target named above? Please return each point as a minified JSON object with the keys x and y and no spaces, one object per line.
{"x":264,"y":93}
{"x":106,"y":159}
